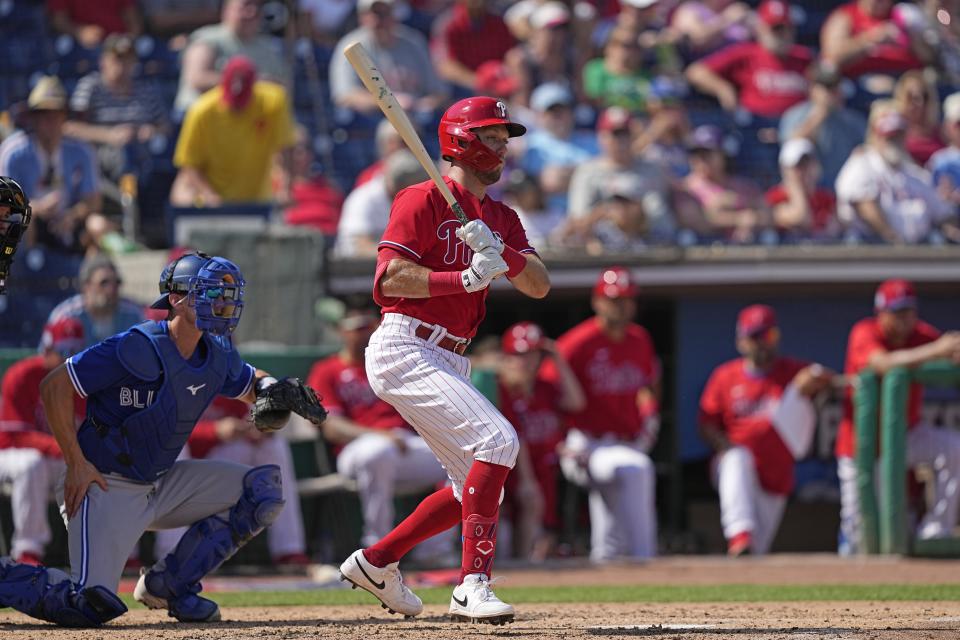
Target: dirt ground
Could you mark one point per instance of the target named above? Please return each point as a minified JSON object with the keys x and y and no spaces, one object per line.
{"x":749,"y":621}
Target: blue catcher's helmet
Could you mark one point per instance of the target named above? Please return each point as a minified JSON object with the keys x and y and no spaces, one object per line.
{"x":212,"y":285}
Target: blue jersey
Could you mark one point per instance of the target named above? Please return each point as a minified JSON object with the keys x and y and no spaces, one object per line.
{"x":143,"y":397}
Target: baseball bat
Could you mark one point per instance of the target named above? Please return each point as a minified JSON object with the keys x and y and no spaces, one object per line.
{"x":373,"y":80}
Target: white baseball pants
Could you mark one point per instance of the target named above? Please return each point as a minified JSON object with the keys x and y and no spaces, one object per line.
{"x":744,"y":505}
{"x":32,"y":476}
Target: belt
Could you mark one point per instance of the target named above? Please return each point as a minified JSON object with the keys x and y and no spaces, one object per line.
{"x":457,"y":346}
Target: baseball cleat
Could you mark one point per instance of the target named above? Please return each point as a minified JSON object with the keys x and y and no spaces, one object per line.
{"x":474,"y":601}
{"x":188,"y":607}
{"x":385,"y":583}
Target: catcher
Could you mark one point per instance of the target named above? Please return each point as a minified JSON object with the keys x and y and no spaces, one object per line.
{"x":146,"y":388}
{"x":14,"y":221}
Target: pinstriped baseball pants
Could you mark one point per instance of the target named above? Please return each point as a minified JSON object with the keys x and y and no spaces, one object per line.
{"x":430,"y":387}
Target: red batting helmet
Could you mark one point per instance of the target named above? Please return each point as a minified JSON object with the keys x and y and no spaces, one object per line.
{"x":457,"y":142}
{"x":522,"y":337}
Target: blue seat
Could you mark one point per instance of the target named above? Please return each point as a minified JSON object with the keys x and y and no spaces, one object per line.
{"x":72,"y":60}
{"x":39,"y":279}
{"x":157,"y":59}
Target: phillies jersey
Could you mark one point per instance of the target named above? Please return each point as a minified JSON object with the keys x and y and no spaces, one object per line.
{"x":422,"y":228}
{"x":888,"y":57}
{"x":741,"y":403}
{"x":23,"y":423}
{"x":865,"y":340}
{"x":611,"y":374}
{"x":346,"y":392}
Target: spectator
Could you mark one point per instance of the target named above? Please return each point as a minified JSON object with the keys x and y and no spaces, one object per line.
{"x":705,"y":26}
{"x":377,"y":447}
{"x":366,"y":210}
{"x":863,"y":36}
{"x":662,"y":140}
{"x":464,"y":37}
{"x":98,"y":306}
{"x":896,"y":337}
{"x":522,"y":193}
{"x":225,"y":432}
{"x":314,"y":200}
{"x":732,"y":206}
{"x":325,"y":20}
{"x":388,"y":140}
{"x":211,"y":47}
{"x":173,"y":19}
{"x":832,"y":127}
{"x":945,"y":164}
{"x":115,"y":109}
{"x":555,"y":149}
{"x":917,"y":101}
{"x":546,"y":56}
{"x":752,"y":410}
{"x":595,"y":181}
{"x":30,"y":458}
{"x":883,"y":194}
{"x":606,"y":451}
{"x":646,"y":20}
{"x":618,"y":78}
{"x":58,"y":174}
{"x":766,"y":77}
{"x":401,"y":54}
{"x":535,"y":407}
{"x":90,"y":22}
{"x":802,"y":209}
{"x":619,"y":223}
{"x":229,"y":139}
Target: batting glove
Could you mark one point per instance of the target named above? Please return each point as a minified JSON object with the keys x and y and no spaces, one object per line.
{"x":478,"y":236}
{"x":485,"y":266}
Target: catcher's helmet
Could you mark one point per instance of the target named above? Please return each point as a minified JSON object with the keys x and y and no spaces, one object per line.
{"x":15,"y":216}
{"x":457,"y":142}
{"x":522,"y":337}
{"x":213,"y":287}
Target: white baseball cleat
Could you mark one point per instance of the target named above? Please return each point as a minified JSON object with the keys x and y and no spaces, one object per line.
{"x":474,"y":601}
{"x":144,"y":597}
{"x":385,"y":583}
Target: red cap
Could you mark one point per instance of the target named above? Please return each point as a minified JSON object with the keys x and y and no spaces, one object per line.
{"x":237,"y":81}
{"x":522,"y":337}
{"x":493,"y":78}
{"x":615,"y":282}
{"x":65,"y":336}
{"x":755,"y":319}
{"x":893,"y":295}
{"x":889,"y":124}
{"x":774,"y":12}
{"x":614,"y":119}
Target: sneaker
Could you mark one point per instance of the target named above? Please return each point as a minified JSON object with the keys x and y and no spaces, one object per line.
{"x":188,"y":607}
{"x":385,"y":583}
{"x":740,"y":544}
{"x":474,"y":601}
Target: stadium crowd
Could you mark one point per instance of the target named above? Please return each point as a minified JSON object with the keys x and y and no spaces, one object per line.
{"x":652,"y":122}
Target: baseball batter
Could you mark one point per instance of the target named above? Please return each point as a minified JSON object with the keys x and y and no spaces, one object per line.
{"x":145,"y":390}
{"x":431,"y":282}
{"x":753,"y":468}
{"x":15,"y":216}
{"x":896,"y":336}
{"x":606,"y":452}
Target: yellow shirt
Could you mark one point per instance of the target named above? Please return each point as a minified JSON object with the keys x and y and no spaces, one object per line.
{"x":234,"y":149}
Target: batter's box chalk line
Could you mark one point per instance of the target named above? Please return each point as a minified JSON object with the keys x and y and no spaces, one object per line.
{"x":646,"y":629}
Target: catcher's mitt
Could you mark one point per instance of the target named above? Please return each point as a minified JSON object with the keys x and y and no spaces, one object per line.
{"x":275,"y":402}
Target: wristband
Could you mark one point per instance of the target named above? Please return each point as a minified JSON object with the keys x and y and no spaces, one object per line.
{"x":516,"y":262}
{"x":445,"y":283}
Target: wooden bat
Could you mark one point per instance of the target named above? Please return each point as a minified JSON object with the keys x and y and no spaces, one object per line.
{"x":373,"y":80}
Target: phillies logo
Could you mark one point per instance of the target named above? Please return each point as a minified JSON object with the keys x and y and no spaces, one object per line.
{"x":457,"y":252}
{"x":501,"y":110}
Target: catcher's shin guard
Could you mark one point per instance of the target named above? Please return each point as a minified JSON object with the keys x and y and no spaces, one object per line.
{"x":208,"y":543}
{"x":30,"y":590}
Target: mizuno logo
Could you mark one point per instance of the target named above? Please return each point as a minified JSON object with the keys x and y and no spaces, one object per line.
{"x":378,"y":585}
{"x":194,"y":388}
{"x":460,"y":602}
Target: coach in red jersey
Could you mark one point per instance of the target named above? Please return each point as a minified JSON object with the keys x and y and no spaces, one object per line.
{"x":29,"y":455}
{"x":756,"y":414}
{"x":896,"y":337}
{"x":431,"y":281}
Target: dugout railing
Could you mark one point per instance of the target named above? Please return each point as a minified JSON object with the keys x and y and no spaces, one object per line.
{"x":880,"y":418}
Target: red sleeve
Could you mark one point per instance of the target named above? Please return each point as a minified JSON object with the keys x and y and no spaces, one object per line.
{"x":927,"y":332}
{"x":516,"y":236}
{"x":776,"y":195}
{"x":725,"y":61}
{"x":410,"y":206}
{"x":862,"y":344}
{"x":384,"y":255}
{"x":17,"y":404}
{"x":711,"y":400}
{"x":322,"y":382}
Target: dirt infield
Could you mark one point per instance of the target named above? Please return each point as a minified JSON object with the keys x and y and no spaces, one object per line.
{"x":682,"y":621}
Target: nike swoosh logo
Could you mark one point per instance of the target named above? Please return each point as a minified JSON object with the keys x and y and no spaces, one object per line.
{"x":193,"y":389}
{"x":460,"y":602}
{"x":378,"y":585}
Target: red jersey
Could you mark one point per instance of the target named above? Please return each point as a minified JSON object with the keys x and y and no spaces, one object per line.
{"x":23,"y":423}
{"x":823,"y":204}
{"x":611,"y":374}
{"x":921,"y":146}
{"x":539,"y":425}
{"x":470,"y":42}
{"x":104,"y":13}
{"x":422,"y":228}
{"x":767,"y":84}
{"x":895,"y":57}
{"x":347,"y":393}
{"x":369,"y":173}
{"x":742,"y":403}
{"x":865,"y":340}
{"x":315,"y":203}
{"x":204,"y":436}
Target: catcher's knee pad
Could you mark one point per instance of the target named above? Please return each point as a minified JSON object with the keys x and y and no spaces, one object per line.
{"x":260,"y":504}
{"x":28,"y":589}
